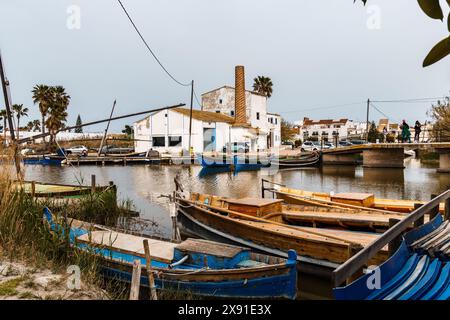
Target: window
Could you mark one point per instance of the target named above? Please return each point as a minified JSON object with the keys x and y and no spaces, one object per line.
{"x":159,"y":141}
{"x":175,"y":141}
{"x":232,"y":113}
{"x":220,"y":101}
{"x":276,"y":121}
{"x":217,"y":111}
{"x":257,"y":116}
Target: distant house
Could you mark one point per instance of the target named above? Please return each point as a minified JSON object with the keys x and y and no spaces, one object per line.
{"x":228,"y":115}
{"x":325,"y":129}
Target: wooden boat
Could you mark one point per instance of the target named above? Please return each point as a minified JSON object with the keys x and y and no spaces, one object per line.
{"x":46,"y":160}
{"x":54,"y":190}
{"x":419,"y":270}
{"x":305,"y":159}
{"x":199,"y":267}
{"x":348,"y":200}
{"x":233,"y":163}
{"x":239,"y":222}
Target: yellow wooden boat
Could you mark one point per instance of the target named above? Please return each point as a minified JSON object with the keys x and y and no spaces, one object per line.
{"x":352,"y":200}
{"x":54,"y":190}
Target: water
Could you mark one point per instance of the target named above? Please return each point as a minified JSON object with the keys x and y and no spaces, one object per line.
{"x":144,"y":184}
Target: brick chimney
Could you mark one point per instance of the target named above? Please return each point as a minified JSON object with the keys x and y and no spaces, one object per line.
{"x":240,"y":116}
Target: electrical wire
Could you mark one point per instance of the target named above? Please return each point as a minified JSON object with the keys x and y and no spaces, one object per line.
{"x":150,"y":50}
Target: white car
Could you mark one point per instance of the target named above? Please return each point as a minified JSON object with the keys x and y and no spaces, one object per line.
{"x":77,"y":150}
{"x":310,"y":146}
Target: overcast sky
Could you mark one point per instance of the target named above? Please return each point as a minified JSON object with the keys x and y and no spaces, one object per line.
{"x":319,"y":54}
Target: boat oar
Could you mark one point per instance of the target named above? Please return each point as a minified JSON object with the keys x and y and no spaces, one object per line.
{"x":333,"y":204}
{"x":247,"y":217}
{"x":148,"y":264}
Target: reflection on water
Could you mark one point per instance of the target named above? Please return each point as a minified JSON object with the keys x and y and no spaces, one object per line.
{"x":143,"y":184}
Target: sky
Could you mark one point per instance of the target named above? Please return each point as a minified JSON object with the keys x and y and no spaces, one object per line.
{"x":325,"y":58}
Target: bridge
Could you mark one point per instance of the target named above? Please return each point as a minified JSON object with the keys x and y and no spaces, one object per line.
{"x":385,"y":155}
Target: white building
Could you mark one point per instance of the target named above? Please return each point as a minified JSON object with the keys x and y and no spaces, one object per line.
{"x":325,"y":129}
{"x":228,"y":115}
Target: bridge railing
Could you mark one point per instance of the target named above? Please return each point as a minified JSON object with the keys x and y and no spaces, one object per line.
{"x":359,"y":260}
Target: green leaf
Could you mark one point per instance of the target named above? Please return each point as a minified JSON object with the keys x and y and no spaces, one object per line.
{"x":431,"y":8}
{"x":439,"y":51}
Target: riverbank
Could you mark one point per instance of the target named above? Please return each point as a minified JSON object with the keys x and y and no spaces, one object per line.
{"x":20,"y":280}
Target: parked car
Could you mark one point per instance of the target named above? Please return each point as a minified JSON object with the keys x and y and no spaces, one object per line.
{"x":26,"y":151}
{"x":311,"y":146}
{"x":358,"y":141}
{"x":237,"y":147}
{"x":288,"y":145}
{"x":79,"y":150}
{"x":345,"y":143}
{"x":328,"y":145}
{"x":116,"y":150}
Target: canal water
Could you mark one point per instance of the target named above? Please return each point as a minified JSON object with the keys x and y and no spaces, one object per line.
{"x":144,"y":184}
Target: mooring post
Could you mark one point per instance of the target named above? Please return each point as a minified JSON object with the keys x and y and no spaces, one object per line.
{"x":93,"y":183}
{"x":435,"y":211}
{"x":262,"y":188}
{"x":447,"y":209}
{"x":135,"y":280}
{"x":419,"y":221}
{"x":151,"y":278}
{"x":395,"y":243}
{"x":173,"y":216}
{"x":33,"y":188}
{"x":354,"y":248}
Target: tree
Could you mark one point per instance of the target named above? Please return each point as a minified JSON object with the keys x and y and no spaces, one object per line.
{"x":263,"y":85}
{"x":20,"y":112}
{"x":30,"y":126}
{"x":432,"y":9}
{"x":440,"y":114}
{"x":42,"y":95}
{"x":129,"y":131}
{"x":79,"y":123}
{"x":373,"y":133}
{"x":288,"y":131}
{"x":4,"y":115}
{"x":36,"y":125}
{"x":57,"y":111}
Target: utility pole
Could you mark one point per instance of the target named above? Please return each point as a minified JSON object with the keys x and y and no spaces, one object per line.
{"x":6,"y":95}
{"x":106,"y":130}
{"x":190,"y":117}
{"x":367,"y":120}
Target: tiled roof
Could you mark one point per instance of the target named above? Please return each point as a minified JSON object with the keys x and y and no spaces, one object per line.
{"x":206,"y":116}
{"x":309,"y":122}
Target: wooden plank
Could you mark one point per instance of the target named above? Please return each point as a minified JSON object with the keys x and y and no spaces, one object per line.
{"x":135,"y":280}
{"x":210,"y":248}
{"x":127,"y":243}
{"x":359,"y":199}
{"x":148,"y":264}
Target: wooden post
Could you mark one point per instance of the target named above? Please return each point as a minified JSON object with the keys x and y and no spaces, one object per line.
{"x":447,"y":209}
{"x":395,"y":243}
{"x":419,"y":221}
{"x":148,"y":264}
{"x":173,"y":217}
{"x":135,"y":280}
{"x":353,"y":249}
{"x":93,"y":183}
{"x":262,"y":188}
{"x":33,"y":188}
{"x":435,"y":211}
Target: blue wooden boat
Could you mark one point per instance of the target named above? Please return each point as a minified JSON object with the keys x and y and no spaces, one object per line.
{"x":419,"y":270}
{"x":198,"y":266}
{"x":233,"y":163}
{"x":46,"y":160}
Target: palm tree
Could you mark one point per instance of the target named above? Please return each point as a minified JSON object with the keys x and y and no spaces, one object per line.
{"x":36,"y":125}
{"x":57,"y":111}
{"x":42,"y":95}
{"x":20,"y":112}
{"x":263,"y":85}
{"x":4,"y":116}
{"x":30,"y":125}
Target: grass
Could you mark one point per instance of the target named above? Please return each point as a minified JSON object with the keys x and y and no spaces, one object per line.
{"x":9,"y":287}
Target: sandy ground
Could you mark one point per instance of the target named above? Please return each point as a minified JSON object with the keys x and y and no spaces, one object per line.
{"x":18,"y":281}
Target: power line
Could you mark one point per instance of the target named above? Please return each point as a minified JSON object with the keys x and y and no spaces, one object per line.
{"x":376,"y":108}
{"x":412,"y":100}
{"x":151,"y":51}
